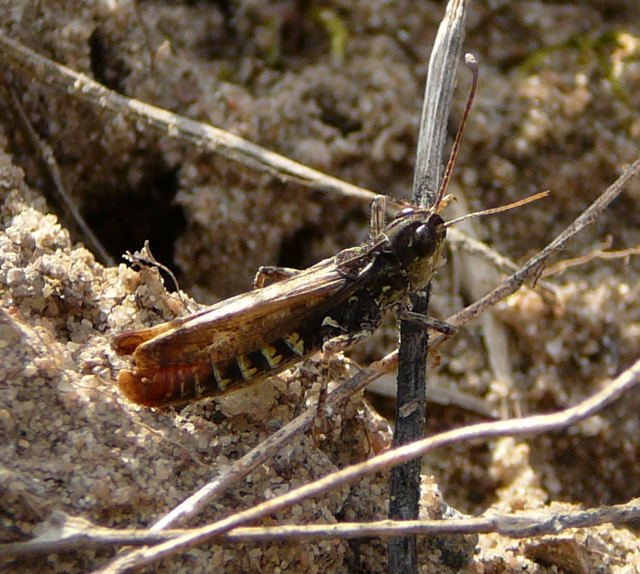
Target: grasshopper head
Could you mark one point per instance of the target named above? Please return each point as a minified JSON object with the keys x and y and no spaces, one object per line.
{"x":417,"y":239}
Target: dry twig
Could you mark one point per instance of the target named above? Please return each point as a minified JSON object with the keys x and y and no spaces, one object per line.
{"x":65,"y":533}
{"x":49,"y":73}
{"x":48,"y":160}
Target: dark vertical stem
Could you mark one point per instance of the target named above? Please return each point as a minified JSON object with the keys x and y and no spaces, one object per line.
{"x":411,"y":402}
{"x":410,"y":420}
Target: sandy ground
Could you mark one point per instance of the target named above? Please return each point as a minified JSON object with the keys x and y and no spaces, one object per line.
{"x":339,"y":90}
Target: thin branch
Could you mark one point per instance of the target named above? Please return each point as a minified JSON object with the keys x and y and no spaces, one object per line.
{"x":48,"y":160}
{"x":600,"y":253}
{"x":144,"y":257}
{"x":484,"y":431}
{"x":35,"y":67}
{"x":65,"y":533}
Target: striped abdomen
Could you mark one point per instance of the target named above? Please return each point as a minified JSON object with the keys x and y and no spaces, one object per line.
{"x":165,"y":385}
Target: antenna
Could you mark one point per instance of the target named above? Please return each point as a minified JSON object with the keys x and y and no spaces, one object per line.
{"x":501,"y":208}
{"x":472,"y":63}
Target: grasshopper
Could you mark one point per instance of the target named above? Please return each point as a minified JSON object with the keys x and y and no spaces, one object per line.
{"x":251,"y":336}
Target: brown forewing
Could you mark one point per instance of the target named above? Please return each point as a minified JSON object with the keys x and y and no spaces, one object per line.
{"x":245,"y":322}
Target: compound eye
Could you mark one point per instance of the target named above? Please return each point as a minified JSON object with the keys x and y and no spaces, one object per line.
{"x":424,"y":240}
